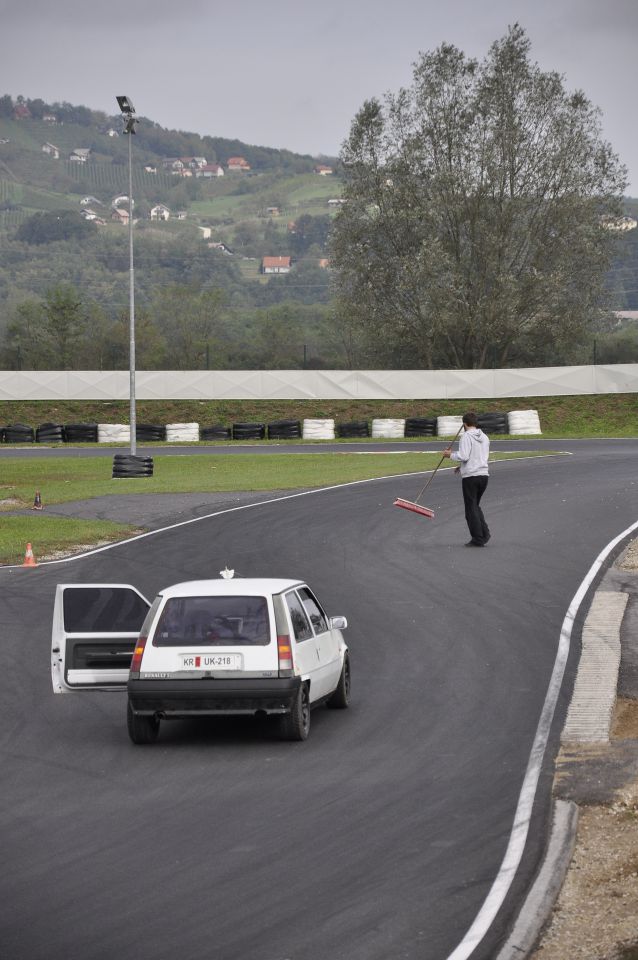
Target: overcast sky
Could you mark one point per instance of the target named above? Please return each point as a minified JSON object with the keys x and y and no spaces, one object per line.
{"x":293,"y":74}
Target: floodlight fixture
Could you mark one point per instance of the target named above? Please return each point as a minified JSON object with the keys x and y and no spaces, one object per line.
{"x":125,"y":105}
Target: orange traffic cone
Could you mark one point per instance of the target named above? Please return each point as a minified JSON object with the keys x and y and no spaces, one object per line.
{"x":29,"y":559}
{"x":37,"y":503}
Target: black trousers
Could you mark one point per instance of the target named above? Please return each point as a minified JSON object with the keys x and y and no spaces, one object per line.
{"x":473,"y":490}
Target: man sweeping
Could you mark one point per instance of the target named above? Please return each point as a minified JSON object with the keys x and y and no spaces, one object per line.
{"x":473,"y":455}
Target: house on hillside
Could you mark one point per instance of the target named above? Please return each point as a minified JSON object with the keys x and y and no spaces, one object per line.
{"x":85,"y":201}
{"x":117,"y":201}
{"x":272,"y":211}
{"x":276,"y":264}
{"x":160,"y":212}
{"x":237,"y":165}
{"x":120,"y":215}
{"x":323,"y":170}
{"x":210,"y":170}
{"x":112,"y":132}
{"x":52,"y":150}
{"x":80,"y":155}
{"x":50,"y":118}
{"x":172,"y":164}
{"x":150,"y":169}
{"x":194,"y":163}
{"x":336,"y":201}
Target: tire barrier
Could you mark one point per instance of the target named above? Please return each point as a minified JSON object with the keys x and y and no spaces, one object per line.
{"x":80,"y":432}
{"x":389,"y":429}
{"x":448,"y":426}
{"x":319,"y":429}
{"x":49,"y":433}
{"x":217,"y":431}
{"x":249,"y":431}
{"x":113,"y":433}
{"x":127,"y":467}
{"x":18,"y":433}
{"x":493,"y":422}
{"x":523,"y":422}
{"x":149,"y":432}
{"x":420,"y":427}
{"x":353,"y":429}
{"x":284,"y":430}
{"x":182,"y":432}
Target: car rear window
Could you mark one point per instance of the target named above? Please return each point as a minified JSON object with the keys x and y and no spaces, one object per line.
{"x":213,"y":621}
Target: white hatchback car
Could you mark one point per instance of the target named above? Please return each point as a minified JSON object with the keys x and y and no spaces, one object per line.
{"x":202,"y":648}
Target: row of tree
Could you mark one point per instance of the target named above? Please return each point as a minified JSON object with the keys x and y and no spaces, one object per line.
{"x":182,"y":328}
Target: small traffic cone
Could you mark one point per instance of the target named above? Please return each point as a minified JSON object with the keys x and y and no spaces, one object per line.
{"x":37,"y":503}
{"x":29,"y":559}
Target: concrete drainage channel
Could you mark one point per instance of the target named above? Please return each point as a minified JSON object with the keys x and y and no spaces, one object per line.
{"x":591,"y":767}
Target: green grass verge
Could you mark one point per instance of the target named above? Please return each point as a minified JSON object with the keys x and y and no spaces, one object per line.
{"x":50,"y":536}
{"x":62,"y":480}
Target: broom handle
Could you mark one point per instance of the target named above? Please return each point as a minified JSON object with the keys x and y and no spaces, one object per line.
{"x":436,"y":468}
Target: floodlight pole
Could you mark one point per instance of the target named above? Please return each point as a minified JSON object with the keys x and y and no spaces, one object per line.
{"x":128,"y":113}
{"x":132,"y":411}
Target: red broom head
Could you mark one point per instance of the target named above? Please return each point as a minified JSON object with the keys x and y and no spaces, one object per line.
{"x":414,"y":507}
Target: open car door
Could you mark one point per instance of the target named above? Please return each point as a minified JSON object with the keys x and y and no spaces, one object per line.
{"x":95,"y":627}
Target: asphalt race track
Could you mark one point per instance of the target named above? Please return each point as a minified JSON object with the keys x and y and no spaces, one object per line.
{"x":378,"y":838}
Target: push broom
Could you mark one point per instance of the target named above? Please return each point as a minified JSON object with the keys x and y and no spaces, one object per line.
{"x":414,"y":505}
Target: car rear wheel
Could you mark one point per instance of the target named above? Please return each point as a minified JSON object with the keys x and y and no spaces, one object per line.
{"x":340,"y":699}
{"x":296,"y":724}
{"x":141,"y":729}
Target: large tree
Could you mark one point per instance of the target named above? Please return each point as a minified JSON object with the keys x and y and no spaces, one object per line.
{"x":473,"y":229}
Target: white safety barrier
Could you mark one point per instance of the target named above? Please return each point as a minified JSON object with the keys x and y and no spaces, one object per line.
{"x":182,"y":432}
{"x":523,"y":422}
{"x":113,"y":433}
{"x":448,"y":426}
{"x":318,"y":429}
{"x":388,"y":428}
{"x":318,"y":384}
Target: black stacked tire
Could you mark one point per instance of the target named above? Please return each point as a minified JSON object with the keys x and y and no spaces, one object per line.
{"x":127,"y":467}
{"x":80,"y":432}
{"x":353,"y":429}
{"x":420,"y":427}
{"x":49,"y":433}
{"x":493,"y":422}
{"x":150,"y":432}
{"x":249,"y":431}
{"x":217,"y":431}
{"x":19,"y":433}
{"x":284,"y":430}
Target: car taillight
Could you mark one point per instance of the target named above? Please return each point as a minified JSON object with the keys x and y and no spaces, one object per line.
{"x":136,"y":659}
{"x":284,"y":651}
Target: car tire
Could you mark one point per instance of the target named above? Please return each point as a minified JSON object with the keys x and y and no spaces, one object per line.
{"x":340,"y":699}
{"x":296,"y":724}
{"x":141,"y":729}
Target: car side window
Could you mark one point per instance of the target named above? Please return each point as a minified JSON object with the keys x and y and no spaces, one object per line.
{"x":300,"y":623}
{"x":314,"y":611}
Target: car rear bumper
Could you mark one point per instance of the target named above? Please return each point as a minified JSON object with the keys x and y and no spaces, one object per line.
{"x":208,"y":697}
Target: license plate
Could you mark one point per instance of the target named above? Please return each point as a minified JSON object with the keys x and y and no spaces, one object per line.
{"x":210,"y":661}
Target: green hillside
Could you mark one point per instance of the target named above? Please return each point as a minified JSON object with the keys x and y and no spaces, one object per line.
{"x":219,"y":228}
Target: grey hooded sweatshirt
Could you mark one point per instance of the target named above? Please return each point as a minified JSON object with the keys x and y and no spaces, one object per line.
{"x":473,"y":453}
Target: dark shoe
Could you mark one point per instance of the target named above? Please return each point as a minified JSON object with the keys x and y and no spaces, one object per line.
{"x":474,"y":543}
{"x":488,"y":537}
